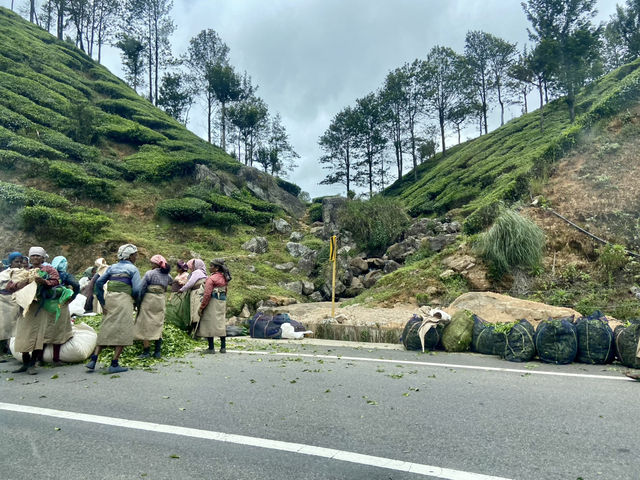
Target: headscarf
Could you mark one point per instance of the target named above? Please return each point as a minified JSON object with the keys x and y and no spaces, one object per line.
{"x":59,"y":263}
{"x":125,"y":251}
{"x":219,"y":262}
{"x":182,"y":266}
{"x":12,"y":256}
{"x":199,"y":269}
{"x":38,"y":251}
{"x":159,"y":260}
{"x":101,"y":265}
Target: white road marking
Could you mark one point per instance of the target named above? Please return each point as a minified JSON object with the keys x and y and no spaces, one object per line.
{"x":330,"y":453}
{"x":433,"y":364}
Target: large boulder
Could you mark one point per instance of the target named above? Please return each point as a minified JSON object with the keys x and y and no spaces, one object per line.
{"x":266,"y":188}
{"x":295,"y":287}
{"x":256,"y":245}
{"x":437,"y":243}
{"x":308,"y":262}
{"x":307,"y":287}
{"x":297,"y":250}
{"x":390,"y":266}
{"x":422,"y":228}
{"x":358,"y":265}
{"x":280,"y":225}
{"x":459,"y":263}
{"x":355,"y":289}
{"x":284,"y":267}
{"x":497,"y":308}
{"x":371,"y":278}
{"x":330,"y":208}
{"x":296,"y":236}
{"x":401,"y":250}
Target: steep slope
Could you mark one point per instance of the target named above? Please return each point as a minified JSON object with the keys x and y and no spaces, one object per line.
{"x":500,"y":165}
{"x":70,"y":128}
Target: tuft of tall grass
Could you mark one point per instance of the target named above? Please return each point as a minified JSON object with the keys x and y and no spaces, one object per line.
{"x":512,"y":242}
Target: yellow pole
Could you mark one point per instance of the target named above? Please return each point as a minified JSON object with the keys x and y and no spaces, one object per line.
{"x":333,"y":247}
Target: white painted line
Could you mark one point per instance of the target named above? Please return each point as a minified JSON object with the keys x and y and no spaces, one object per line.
{"x":434,"y":364}
{"x":330,"y":453}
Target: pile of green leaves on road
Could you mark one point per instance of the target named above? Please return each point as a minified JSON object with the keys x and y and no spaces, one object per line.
{"x":176,"y":343}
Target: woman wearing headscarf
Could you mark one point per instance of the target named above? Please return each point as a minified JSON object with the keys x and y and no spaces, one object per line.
{"x":181,"y":278}
{"x":58,"y":332}
{"x":92,"y":305}
{"x":213,"y":306}
{"x":195,"y":285}
{"x":31,"y":326}
{"x":9,"y":309}
{"x":123,"y":289}
{"x":152,"y":302}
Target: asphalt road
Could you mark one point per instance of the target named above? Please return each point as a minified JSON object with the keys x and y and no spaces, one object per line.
{"x":468,"y":414}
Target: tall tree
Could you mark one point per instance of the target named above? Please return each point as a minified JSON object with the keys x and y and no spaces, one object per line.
{"x":393,"y":100}
{"x":571,"y":41}
{"x":626,"y":25}
{"x":226,"y":87}
{"x":522,"y":78}
{"x":79,"y":13}
{"x":250,"y":117}
{"x":176,"y":96}
{"x":150,"y":19}
{"x":445,"y":76}
{"x":478,"y":51}
{"x":205,"y":50}
{"x":338,"y":145}
{"x":415,"y":106}
{"x":370,"y":141}
{"x":281,"y":153}
{"x":502,"y":56}
{"x":132,"y":59}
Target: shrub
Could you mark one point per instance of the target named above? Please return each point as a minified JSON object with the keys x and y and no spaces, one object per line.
{"x":482,"y":218}
{"x":102,"y":170}
{"x":222,"y":220}
{"x":292,"y":188}
{"x":151,"y":163}
{"x":64,"y":144}
{"x":257,"y":204}
{"x":17,"y":195}
{"x":72,"y":227}
{"x":222,"y":203}
{"x":315,"y":212}
{"x":612,"y":258}
{"x":26,"y":146}
{"x":513,"y":241}
{"x":375,"y":224}
{"x":66,"y":175}
{"x":8,"y":159}
{"x":186,"y":210}
{"x":125,"y":131}
{"x":122,"y":107}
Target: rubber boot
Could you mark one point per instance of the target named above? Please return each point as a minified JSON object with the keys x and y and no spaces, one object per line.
{"x":223,"y":344}
{"x":145,"y":353}
{"x":56,"y":356}
{"x":157,"y":351}
{"x":211,"y":350}
{"x":26,"y":361}
{"x":92,"y":363}
{"x":116,"y":368}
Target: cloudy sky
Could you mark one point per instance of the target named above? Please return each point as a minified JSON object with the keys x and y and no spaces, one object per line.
{"x":312,"y":58}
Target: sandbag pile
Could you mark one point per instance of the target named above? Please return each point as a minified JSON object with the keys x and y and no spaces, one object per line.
{"x":595,"y":340}
{"x":558,"y":341}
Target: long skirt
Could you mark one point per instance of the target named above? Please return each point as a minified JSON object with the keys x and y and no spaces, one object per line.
{"x":31,"y":327}
{"x":9,"y":314}
{"x":117,"y":323}
{"x":148,"y":325}
{"x":59,"y":332}
{"x":213,"y":322}
{"x":197,"y":292}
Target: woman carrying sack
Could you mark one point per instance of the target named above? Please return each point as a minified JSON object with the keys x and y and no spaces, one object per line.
{"x":213,"y":307}
{"x":123,"y":289}
{"x":150,"y":318}
{"x":30,"y":328}
{"x":9,"y":309}
{"x":195,"y":287}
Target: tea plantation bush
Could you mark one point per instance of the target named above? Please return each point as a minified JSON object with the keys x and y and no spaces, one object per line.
{"x":186,"y":210}
{"x":69,"y":227}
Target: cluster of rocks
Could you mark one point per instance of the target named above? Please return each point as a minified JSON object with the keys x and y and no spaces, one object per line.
{"x":357,"y":273}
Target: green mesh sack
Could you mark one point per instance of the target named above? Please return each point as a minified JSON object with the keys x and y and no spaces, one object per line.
{"x":626,"y":340}
{"x":458,"y":333}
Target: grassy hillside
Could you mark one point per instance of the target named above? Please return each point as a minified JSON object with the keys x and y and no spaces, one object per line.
{"x":500,"y":165}
{"x":87,"y":164}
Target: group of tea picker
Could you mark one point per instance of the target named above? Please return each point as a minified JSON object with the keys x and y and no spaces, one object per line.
{"x":35,"y":297}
